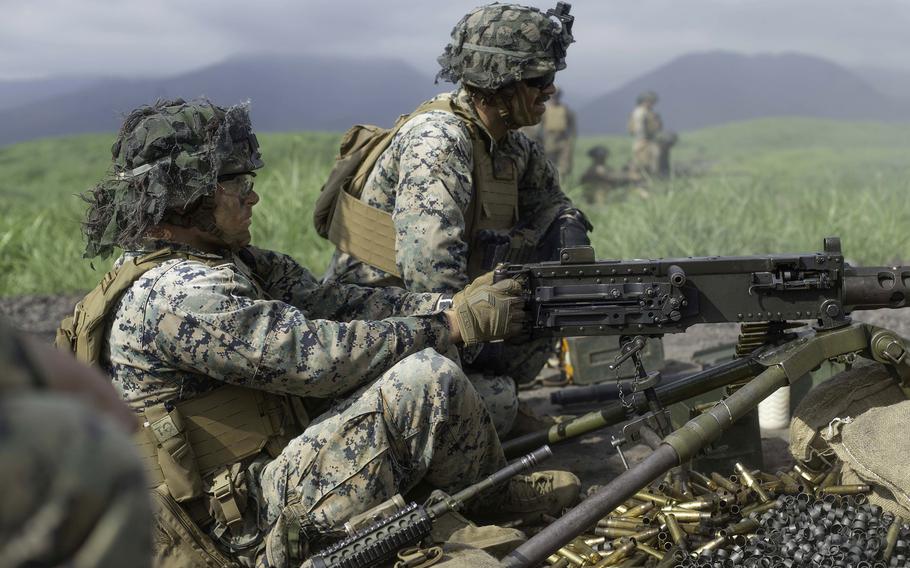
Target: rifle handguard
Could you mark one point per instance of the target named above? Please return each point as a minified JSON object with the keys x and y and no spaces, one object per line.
{"x":378,"y":542}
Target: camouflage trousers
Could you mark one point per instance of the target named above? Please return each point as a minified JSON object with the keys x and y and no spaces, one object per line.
{"x":497,"y":370}
{"x":420,"y":422}
{"x":73,"y":489}
{"x":500,"y":397}
{"x":644,"y":158}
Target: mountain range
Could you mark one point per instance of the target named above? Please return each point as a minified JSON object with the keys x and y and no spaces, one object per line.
{"x":291,"y":93}
{"x":710,"y":88}
{"x":287,"y":94}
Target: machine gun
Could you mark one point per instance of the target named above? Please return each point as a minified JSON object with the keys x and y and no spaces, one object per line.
{"x":379,"y":541}
{"x":578,"y":296}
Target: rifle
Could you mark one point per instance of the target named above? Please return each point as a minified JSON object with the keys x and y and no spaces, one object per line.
{"x":380,"y":540}
{"x":651,"y":297}
{"x":579,"y":296}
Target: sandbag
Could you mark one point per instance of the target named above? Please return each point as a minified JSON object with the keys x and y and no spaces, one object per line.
{"x":859,"y":417}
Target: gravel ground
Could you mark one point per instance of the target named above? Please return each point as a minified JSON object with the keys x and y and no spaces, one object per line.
{"x":592,"y":457}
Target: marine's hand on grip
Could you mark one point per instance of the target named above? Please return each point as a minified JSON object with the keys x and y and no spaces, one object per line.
{"x":485,"y":311}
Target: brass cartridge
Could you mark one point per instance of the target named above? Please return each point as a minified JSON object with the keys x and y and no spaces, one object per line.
{"x":676,"y":533}
{"x":649,"y":550}
{"x":751,"y":483}
{"x":639,"y":510}
{"x":846,"y":489}
{"x":710,"y":545}
{"x":723,"y":482}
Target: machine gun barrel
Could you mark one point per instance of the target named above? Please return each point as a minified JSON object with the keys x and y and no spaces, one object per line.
{"x":614,"y":413}
{"x":579,"y":296}
{"x":874,"y":287}
{"x":605,"y":391}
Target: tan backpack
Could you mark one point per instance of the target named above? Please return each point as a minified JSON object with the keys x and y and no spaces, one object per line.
{"x":359,"y":151}
{"x":368,"y":233}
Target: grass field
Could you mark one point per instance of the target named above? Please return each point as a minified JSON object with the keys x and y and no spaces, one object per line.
{"x":774,"y":185}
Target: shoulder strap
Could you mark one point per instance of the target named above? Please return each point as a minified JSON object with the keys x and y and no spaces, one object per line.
{"x":83,"y":332}
{"x":363,"y":231}
{"x":355,"y":188}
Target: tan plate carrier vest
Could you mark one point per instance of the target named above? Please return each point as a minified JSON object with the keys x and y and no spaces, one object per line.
{"x":368,"y":233}
{"x":182,"y":443}
{"x":556,"y":120}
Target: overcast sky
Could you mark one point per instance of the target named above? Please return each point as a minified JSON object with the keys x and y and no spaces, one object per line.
{"x":616,"y":40}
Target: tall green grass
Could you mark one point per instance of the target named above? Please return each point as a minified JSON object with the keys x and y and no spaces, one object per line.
{"x":775,"y":185}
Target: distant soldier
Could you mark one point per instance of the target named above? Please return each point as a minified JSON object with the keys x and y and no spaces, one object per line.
{"x":71,"y":484}
{"x":644,"y":126}
{"x":599,"y":177}
{"x":458,"y":187}
{"x":664,"y":142}
{"x":559,"y":134}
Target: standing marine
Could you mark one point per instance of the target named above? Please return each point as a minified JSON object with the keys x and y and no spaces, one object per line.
{"x":559,"y":134}
{"x":273,"y":407}
{"x":644,"y":126}
{"x":557,"y":131}
{"x":455,"y":187}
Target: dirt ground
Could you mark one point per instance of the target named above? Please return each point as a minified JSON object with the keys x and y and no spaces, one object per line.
{"x":591,"y":457}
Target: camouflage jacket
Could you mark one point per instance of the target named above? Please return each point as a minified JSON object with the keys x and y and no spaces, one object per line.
{"x":424,"y":180}
{"x":258,"y":320}
{"x":644,"y":124}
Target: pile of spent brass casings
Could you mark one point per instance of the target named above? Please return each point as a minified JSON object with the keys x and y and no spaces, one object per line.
{"x":750,"y":518}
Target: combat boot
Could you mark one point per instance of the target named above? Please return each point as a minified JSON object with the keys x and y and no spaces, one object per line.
{"x":531,"y":496}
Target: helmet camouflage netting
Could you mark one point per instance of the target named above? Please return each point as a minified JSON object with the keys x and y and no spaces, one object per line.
{"x":166,"y":158}
{"x":499,"y":44}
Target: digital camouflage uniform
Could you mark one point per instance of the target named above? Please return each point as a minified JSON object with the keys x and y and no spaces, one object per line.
{"x":389,"y":410}
{"x":424,"y":181}
{"x":73,"y":491}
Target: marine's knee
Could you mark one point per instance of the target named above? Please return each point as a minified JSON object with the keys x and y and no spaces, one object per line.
{"x":428,"y":380}
{"x":431,"y":370}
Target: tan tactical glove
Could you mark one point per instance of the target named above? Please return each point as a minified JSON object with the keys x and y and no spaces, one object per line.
{"x":480,"y":282}
{"x":487,"y":311}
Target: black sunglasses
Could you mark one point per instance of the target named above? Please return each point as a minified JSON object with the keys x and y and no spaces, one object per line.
{"x":231,"y":177}
{"x":542,"y":82}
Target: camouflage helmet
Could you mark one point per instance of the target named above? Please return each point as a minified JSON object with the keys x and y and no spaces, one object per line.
{"x":166,"y":158}
{"x":499,"y":44}
{"x":647,"y":96}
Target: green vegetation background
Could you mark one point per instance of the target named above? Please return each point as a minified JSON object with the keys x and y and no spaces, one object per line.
{"x":775,"y":185}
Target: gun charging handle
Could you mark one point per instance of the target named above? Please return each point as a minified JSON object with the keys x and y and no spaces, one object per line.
{"x":676,"y":275}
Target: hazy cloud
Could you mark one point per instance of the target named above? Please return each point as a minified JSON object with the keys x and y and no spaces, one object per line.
{"x":617,"y":40}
